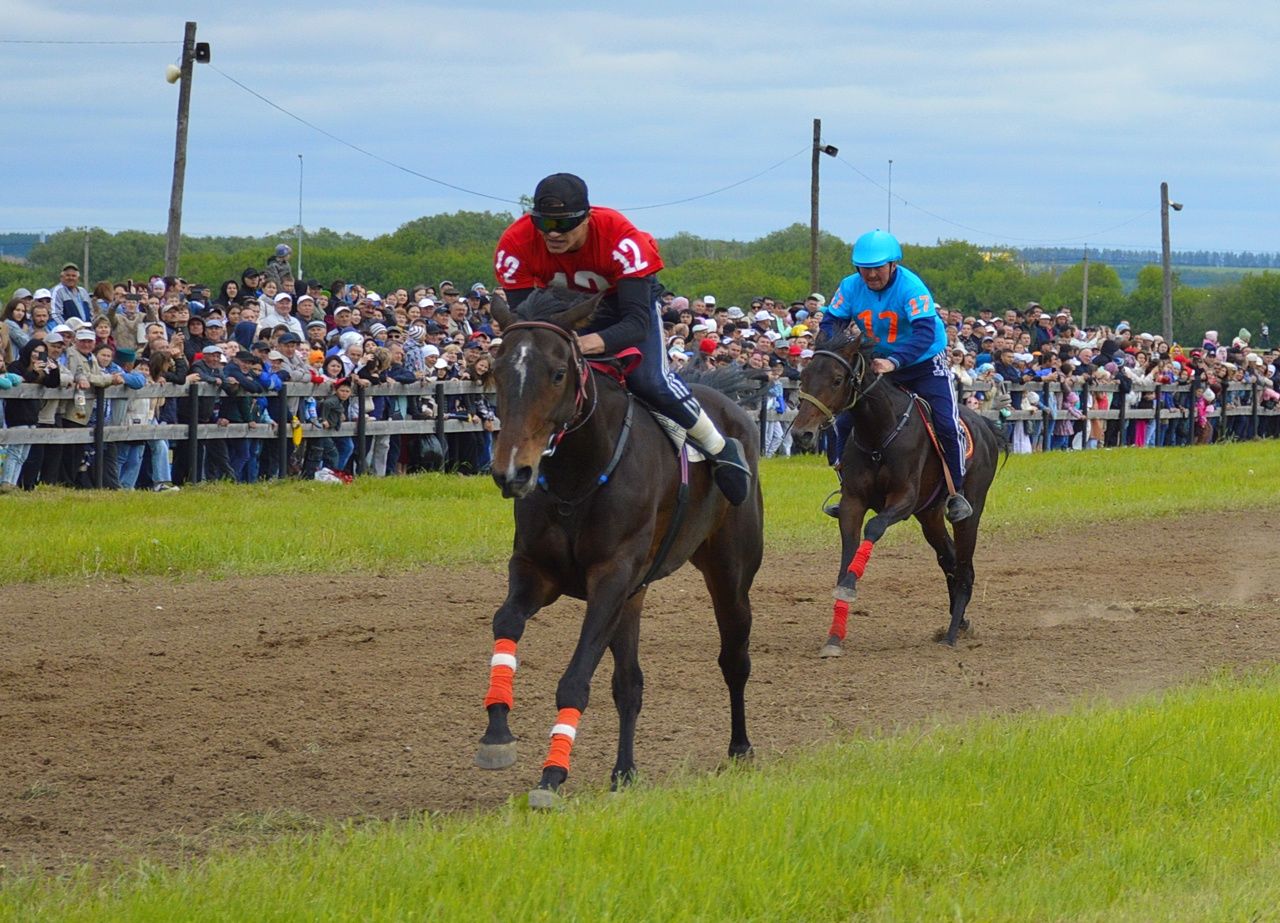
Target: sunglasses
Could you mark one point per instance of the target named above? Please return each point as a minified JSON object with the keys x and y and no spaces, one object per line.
{"x":558,"y":224}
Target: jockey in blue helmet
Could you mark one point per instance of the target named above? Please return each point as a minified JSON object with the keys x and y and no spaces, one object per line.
{"x":895,"y":311}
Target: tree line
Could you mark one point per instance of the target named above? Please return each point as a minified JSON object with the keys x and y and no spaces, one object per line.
{"x":459,"y":247}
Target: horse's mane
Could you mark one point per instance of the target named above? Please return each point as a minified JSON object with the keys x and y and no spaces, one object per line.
{"x":745,"y":387}
{"x":545,"y":303}
{"x":841,"y":339}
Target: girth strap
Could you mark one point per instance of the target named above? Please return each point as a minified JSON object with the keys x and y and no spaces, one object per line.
{"x":673,"y":529}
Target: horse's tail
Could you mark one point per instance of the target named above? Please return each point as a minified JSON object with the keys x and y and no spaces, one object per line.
{"x":1002,"y":441}
{"x":745,"y":387}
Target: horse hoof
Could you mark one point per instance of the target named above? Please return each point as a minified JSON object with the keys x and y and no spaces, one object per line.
{"x":496,"y":756}
{"x":830,"y":650}
{"x":544,"y":799}
{"x":845,"y":593}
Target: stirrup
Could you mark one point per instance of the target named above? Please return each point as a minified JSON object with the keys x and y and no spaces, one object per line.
{"x":958,"y":508}
{"x":832,"y":509}
{"x":731,"y":473}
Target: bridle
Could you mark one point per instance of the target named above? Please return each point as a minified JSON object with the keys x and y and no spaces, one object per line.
{"x":856,"y":374}
{"x":581,"y":386}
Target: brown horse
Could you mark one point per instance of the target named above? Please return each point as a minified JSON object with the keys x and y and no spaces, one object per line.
{"x":891,"y":465}
{"x":603,"y":507}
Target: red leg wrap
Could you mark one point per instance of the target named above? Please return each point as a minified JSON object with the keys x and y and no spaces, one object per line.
{"x":562,"y":737}
{"x":860,"y":559}
{"x":501,"y":675}
{"x":839,"y":618}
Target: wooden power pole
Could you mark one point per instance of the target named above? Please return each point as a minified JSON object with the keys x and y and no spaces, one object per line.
{"x":173,"y":238}
{"x":813,"y":207}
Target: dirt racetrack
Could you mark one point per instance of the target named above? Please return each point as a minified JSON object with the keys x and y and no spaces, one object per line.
{"x":155,"y":717}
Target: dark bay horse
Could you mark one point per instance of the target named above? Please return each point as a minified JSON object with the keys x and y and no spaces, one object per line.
{"x":890,"y":465}
{"x":597,"y":486}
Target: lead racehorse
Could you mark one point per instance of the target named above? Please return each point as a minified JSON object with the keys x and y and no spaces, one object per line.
{"x":604,"y":505}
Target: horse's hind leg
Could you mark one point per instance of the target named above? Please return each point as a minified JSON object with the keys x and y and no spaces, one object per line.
{"x":628,"y":689}
{"x":936,"y":534}
{"x":966,"y":541}
{"x":528,"y":592}
{"x":728,"y":564}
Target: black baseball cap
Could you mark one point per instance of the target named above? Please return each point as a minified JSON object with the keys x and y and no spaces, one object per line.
{"x":560,"y":194}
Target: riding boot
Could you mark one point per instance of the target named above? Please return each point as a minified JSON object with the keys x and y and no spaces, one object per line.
{"x":958,"y":508}
{"x":732,"y":475}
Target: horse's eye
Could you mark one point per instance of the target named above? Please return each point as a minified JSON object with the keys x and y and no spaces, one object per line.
{"x":559,"y":376}
{"x":839,"y":380}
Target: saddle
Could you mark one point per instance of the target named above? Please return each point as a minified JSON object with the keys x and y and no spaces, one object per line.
{"x":618,"y":368}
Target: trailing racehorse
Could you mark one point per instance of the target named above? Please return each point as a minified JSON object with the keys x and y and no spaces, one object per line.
{"x":605,"y":505}
{"x":891,"y":464}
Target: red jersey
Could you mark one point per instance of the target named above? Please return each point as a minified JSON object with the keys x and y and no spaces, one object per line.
{"x":615,"y":249}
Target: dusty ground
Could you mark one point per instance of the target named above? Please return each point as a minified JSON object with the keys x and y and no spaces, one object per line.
{"x":159,"y":718}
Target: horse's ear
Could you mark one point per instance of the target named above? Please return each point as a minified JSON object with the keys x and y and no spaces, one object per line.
{"x":498,"y":308}
{"x":579,"y":314}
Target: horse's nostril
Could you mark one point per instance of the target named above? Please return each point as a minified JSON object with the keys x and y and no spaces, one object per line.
{"x":522,"y":476}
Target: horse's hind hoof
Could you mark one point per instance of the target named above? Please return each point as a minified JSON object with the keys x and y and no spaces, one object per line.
{"x":496,"y":756}
{"x":544,"y":799}
{"x":830,"y":650}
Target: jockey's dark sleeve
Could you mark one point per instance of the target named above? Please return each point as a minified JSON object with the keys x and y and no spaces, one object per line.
{"x":621,"y":321}
{"x":631,"y":315}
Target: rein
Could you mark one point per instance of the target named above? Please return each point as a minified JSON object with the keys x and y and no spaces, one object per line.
{"x":855,"y":374}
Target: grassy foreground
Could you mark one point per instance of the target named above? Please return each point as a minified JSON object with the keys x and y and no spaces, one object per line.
{"x":1165,"y":810}
{"x":390,"y":524}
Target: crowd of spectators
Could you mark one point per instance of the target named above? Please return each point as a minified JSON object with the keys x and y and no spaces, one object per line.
{"x":250,"y":335}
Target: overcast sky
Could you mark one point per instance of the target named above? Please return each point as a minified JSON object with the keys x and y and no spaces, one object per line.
{"x":1023,"y":123}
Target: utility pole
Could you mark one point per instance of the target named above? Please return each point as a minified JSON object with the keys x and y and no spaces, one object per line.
{"x":813,"y":208}
{"x":1166,"y":307}
{"x":831,"y":151}
{"x":888,"y":218}
{"x":173,"y":238}
{"x":299,"y":216}
{"x":1084,"y":295}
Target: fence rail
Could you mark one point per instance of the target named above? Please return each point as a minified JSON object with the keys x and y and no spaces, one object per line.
{"x":363,"y":428}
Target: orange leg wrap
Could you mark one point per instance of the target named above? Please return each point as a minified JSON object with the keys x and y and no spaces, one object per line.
{"x":860,"y":559}
{"x":562,"y":736}
{"x":839,"y":618}
{"x":501,"y":675}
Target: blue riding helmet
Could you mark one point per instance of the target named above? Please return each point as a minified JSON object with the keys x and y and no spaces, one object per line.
{"x":875,"y":248}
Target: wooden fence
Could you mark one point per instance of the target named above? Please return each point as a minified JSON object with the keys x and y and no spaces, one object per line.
{"x":99,"y":433}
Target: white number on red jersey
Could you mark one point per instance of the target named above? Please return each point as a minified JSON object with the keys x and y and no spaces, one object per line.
{"x":628,"y":255}
{"x":506,"y":266}
{"x":584,"y":280}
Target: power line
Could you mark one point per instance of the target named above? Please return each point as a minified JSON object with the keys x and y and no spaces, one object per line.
{"x":361,"y":150}
{"x":637,"y":208}
{"x":20,"y":41}
{"x":990,"y":234}
{"x":474,"y":192}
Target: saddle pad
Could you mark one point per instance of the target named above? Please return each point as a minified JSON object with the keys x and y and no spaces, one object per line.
{"x":678,"y":435}
{"x":966,"y":439}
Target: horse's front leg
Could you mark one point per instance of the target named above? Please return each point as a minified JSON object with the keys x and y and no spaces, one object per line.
{"x":607,"y":588}
{"x":528,"y":590}
{"x":855,"y":554}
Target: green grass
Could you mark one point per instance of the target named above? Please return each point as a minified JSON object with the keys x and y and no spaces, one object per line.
{"x":396,"y":524}
{"x":1165,"y":810}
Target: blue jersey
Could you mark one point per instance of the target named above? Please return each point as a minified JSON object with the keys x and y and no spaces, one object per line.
{"x":901,"y":320}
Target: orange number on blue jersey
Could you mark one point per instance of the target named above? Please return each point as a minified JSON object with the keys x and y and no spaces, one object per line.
{"x":892,"y":317}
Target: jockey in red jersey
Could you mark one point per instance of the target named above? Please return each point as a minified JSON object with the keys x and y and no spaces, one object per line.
{"x":565,"y":241}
